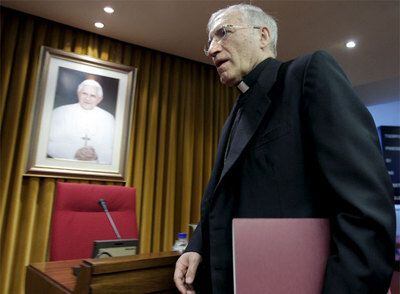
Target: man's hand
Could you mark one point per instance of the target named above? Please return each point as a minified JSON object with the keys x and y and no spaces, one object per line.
{"x":86,"y":153}
{"x":185,"y":271}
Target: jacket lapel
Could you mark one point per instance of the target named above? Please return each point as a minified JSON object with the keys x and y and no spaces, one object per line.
{"x":252,"y":114}
{"x":219,"y":160}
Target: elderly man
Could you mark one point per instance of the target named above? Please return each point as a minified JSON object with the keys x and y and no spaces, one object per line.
{"x":82,"y":131}
{"x":297,"y":144}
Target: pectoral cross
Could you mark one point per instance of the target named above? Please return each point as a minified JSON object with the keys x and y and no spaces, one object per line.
{"x":86,"y":139}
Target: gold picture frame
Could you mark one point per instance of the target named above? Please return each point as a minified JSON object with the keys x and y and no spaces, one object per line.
{"x":65,"y":120}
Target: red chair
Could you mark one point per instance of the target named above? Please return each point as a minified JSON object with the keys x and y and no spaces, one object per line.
{"x":78,"y":219}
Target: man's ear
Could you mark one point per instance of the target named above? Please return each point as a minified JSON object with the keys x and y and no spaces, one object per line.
{"x":265,"y":37}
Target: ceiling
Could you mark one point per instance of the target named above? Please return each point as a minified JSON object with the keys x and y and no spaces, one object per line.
{"x":178,"y":27}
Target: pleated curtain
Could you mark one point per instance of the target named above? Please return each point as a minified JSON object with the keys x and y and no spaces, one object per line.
{"x":179,"y":110}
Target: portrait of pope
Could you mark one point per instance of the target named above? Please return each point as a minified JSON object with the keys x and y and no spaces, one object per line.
{"x":82,"y":130}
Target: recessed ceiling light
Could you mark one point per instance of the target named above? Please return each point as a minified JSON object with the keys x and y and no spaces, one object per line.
{"x":108,"y":9}
{"x":351,"y":44}
{"x":99,"y":25}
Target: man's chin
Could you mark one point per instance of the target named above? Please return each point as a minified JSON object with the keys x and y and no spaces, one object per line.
{"x":230,"y":82}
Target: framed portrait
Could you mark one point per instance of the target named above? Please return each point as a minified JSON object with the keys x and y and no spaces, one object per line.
{"x":82,"y":118}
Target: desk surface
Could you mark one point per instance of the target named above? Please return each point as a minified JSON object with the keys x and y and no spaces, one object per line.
{"x":57,"y":277}
{"x":49,"y":275}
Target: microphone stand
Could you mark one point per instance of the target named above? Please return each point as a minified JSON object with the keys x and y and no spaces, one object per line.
{"x":103,"y":204}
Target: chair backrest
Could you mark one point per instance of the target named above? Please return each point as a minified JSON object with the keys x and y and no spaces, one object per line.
{"x":78,"y":219}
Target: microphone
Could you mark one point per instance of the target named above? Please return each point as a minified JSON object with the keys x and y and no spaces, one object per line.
{"x":103,"y":205}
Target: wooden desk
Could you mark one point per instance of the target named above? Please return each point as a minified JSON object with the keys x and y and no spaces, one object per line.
{"x":142,"y":273}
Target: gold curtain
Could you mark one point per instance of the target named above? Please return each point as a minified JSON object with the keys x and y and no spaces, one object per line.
{"x":180,"y":108}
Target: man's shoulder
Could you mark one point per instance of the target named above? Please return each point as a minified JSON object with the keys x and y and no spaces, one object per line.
{"x":319,"y":62}
{"x":319,"y":58}
{"x":303,"y":60}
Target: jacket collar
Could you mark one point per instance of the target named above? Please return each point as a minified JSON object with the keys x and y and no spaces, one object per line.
{"x":252,"y":114}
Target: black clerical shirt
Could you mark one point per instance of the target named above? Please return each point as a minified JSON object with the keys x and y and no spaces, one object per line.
{"x":249,"y":81}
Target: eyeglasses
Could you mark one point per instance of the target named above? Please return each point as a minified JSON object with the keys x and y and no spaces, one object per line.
{"x":222,"y":33}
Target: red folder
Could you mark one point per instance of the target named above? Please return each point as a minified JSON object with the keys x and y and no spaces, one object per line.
{"x":280,"y":255}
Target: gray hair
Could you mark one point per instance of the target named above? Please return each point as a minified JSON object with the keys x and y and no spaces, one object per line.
{"x":254,"y":16}
{"x":92,"y":83}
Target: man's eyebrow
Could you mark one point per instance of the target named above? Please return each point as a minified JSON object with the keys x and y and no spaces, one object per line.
{"x":211,"y":33}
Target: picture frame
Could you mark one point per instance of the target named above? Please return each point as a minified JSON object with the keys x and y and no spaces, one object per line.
{"x":82,"y":117}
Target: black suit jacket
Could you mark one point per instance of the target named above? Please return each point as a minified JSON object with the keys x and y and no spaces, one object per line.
{"x":305,"y":147}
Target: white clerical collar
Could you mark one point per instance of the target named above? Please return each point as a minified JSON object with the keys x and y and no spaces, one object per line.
{"x":242,"y":86}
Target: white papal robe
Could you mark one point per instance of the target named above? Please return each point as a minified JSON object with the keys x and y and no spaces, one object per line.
{"x":73,"y":127}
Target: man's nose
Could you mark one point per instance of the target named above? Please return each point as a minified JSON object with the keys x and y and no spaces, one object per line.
{"x":215,"y":48}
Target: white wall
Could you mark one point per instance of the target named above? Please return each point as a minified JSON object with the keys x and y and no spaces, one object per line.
{"x":388,"y":114}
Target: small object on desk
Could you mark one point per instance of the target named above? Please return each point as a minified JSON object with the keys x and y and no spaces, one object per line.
{"x":180,"y":243}
{"x":114,"y":248}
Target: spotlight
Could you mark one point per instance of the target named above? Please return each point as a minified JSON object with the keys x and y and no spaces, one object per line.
{"x":108,"y":9}
{"x":351,"y":44}
{"x":99,"y":25}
